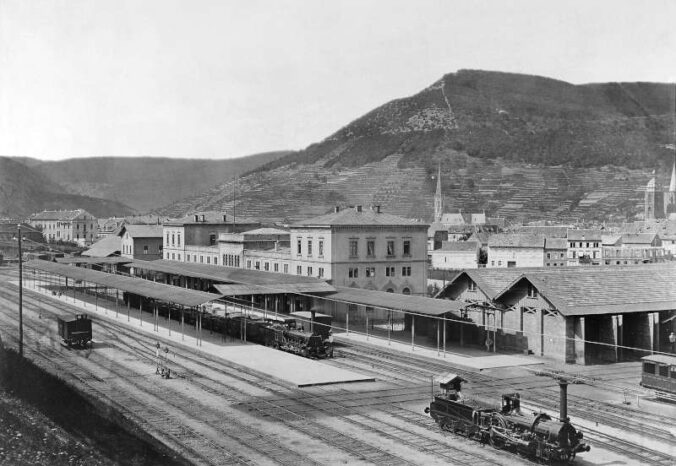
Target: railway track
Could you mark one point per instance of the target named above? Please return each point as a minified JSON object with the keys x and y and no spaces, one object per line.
{"x":283,"y":407}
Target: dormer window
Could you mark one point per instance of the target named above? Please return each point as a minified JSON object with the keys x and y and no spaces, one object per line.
{"x":471,"y":286}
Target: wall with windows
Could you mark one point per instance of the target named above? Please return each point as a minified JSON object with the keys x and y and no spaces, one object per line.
{"x":515,"y":257}
{"x":141,"y":248}
{"x":582,"y":252}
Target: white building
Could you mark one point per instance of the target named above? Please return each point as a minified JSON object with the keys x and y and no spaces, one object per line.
{"x":455,"y":255}
{"x":515,"y":250}
{"x":76,"y":226}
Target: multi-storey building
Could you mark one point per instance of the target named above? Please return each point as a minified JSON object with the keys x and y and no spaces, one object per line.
{"x":142,"y":242}
{"x":556,"y":252}
{"x":456,"y":255}
{"x":76,"y":226}
{"x":363,"y":248}
{"x":263,"y":249}
{"x":585,"y":247}
{"x":194,"y":238}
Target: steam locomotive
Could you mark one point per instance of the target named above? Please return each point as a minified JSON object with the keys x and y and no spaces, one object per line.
{"x":540,"y":436}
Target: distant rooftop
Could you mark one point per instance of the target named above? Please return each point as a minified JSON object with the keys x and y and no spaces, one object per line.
{"x":211,"y":217}
{"x":585,"y":235}
{"x":358,"y":216}
{"x":144,"y":231}
{"x":59,"y":214}
{"x":516,"y":240}
{"x":458,"y":246}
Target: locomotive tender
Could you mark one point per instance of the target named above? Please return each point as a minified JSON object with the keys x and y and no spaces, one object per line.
{"x":538,"y":437}
{"x":75,"y":332}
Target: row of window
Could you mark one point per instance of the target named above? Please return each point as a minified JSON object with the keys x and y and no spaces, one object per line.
{"x":580,"y":244}
{"x":266,"y":266}
{"x":390,"y":250}
{"x":175,"y":239}
{"x":54,"y":226}
{"x":320,"y":247}
{"x":581,"y":254}
{"x":370,"y":272}
{"x":67,"y":238}
{"x":127,"y":249}
{"x":230,"y":260}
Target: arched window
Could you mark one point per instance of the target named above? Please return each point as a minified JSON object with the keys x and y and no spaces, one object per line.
{"x":390,"y":290}
{"x":406,"y":291}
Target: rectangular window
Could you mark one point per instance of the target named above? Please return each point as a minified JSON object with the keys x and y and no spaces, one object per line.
{"x":257,"y":265}
{"x":212,"y":239}
{"x":299,"y":270}
{"x":178,"y":241}
{"x":299,"y":246}
{"x":173,"y":256}
{"x":649,"y":367}
{"x":406,"y":271}
{"x":215,"y":260}
{"x":236,"y":261}
{"x":321,"y":248}
{"x":353,"y":272}
{"x":309,"y":271}
{"x":532,"y":291}
{"x":178,"y":256}
{"x":471,"y":286}
{"x":309,"y":247}
{"x":145,"y":249}
{"x":201,"y":259}
{"x":664,"y":370}
{"x":370,"y":248}
{"x":511,"y":263}
{"x":320,"y":273}
{"x":549,"y":255}
{"x":266,"y":266}
{"x":407,"y":247}
{"x":187,"y":257}
{"x":390,"y":248}
{"x":248,"y":264}
{"x":370,"y":272}
{"x":194,"y":257}
{"x":354,"y":248}
{"x":275,"y":267}
{"x":172,"y":239}
{"x":389,"y":271}
{"x":286,"y":268}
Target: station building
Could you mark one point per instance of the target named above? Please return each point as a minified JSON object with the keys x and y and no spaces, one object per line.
{"x":577,"y":315}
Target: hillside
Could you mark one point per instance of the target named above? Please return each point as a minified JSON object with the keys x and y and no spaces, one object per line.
{"x":523,"y":147}
{"x":145,"y":183}
{"x":23,"y":191}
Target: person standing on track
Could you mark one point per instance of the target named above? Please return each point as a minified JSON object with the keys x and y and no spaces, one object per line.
{"x":672,"y":341}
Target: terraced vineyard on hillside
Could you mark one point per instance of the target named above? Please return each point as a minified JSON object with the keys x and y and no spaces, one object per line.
{"x":505,"y":189}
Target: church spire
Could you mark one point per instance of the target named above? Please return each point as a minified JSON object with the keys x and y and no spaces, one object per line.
{"x":438,"y":199}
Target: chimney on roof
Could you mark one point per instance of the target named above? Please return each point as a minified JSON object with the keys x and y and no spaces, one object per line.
{"x":358,"y":208}
{"x":336,"y":209}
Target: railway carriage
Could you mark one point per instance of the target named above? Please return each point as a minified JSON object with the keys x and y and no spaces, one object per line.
{"x":659,"y":374}
{"x":75,"y":331}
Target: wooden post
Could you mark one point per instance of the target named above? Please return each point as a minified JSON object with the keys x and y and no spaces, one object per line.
{"x":117,"y":302}
{"x":412,"y":332}
{"x":182,"y":322}
{"x":140,"y":310}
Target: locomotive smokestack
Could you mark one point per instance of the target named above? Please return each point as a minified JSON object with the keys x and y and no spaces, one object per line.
{"x":312,"y":320}
{"x":563,"y":401}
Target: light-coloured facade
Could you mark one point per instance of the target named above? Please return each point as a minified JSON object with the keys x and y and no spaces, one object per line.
{"x":362,"y":248}
{"x":76,"y":226}
{"x":194,"y":238}
{"x":515,"y":250}
{"x":454,"y":255}
{"x":585,"y":247}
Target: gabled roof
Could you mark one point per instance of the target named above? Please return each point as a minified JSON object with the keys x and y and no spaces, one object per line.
{"x":108,"y":246}
{"x":211,"y":217}
{"x":457,"y":246}
{"x":604,"y":290}
{"x":395,"y":301}
{"x":551,"y":231}
{"x":585,"y":235}
{"x":353,"y":217}
{"x":12,"y":228}
{"x":452,"y":219}
{"x":144,"y":231}
{"x":63,"y":215}
{"x":556,"y":243}
{"x":516,"y":240}
{"x":491,"y":281}
{"x":638,"y":238}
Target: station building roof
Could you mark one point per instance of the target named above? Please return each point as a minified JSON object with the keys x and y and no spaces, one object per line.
{"x":139,"y":286}
{"x":255,"y":281}
{"x":93,"y":260}
{"x":395,"y":301}
{"x":105,"y":247}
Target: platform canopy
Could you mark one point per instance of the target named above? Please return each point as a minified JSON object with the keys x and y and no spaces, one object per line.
{"x":93,"y":260}
{"x":395,"y":301}
{"x":139,"y":286}
{"x":237,"y":281}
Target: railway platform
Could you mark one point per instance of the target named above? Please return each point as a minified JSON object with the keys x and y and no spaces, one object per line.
{"x":470,"y":358}
{"x":274,"y":364}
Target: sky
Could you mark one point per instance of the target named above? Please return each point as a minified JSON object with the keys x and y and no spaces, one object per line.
{"x":226,"y":78}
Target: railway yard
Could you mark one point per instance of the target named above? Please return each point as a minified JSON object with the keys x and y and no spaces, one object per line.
{"x":216,"y":409}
